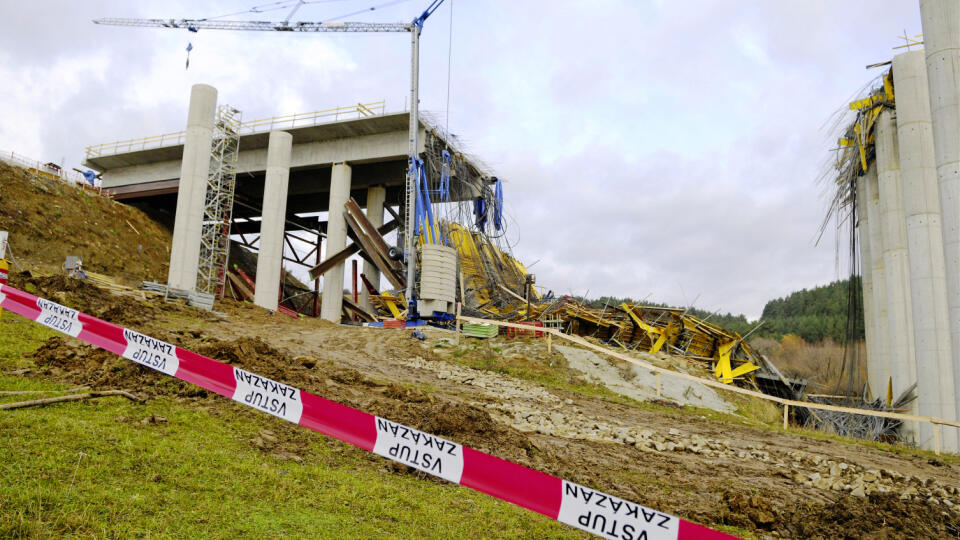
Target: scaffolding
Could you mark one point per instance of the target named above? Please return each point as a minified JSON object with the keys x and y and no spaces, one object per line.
{"x":218,"y":202}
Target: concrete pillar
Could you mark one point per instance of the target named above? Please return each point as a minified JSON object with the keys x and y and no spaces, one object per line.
{"x":921,"y":204}
{"x":896,"y":262}
{"x":874,"y":374}
{"x":880,"y":360}
{"x":273,"y":224}
{"x":194,"y":168}
{"x":332,"y":300}
{"x":376,"y":196}
{"x":941,"y":38}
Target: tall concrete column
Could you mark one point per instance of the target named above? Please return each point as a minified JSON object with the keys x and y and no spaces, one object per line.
{"x":880,"y":360}
{"x":376,"y":196}
{"x":270,"y":256}
{"x":921,"y":204}
{"x":874,"y":374}
{"x":895,"y":261}
{"x":194,"y":168}
{"x":941,"y":38}
{"x":332,"y":300}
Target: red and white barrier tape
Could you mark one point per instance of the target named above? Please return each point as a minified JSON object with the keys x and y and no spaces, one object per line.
{"x":579,"y":506}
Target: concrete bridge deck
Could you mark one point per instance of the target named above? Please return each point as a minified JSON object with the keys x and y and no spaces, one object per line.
{"x":375,"y":146}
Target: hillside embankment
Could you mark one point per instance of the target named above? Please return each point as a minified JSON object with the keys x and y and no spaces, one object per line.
{"x":50,"y":219}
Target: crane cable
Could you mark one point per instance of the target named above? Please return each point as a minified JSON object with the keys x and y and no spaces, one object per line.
{"x":273,"y":6}
{"x":295,"y":4}
{"x":449,"y":66}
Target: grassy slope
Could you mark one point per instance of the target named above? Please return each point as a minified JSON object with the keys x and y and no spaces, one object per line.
{"x":94,"y":469}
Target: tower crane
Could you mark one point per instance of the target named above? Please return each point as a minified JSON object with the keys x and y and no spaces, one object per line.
{"x":414,"y":28}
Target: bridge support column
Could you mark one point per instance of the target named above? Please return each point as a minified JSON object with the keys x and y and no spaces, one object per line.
{"x":941,"y":38}
{"x":874,"y":373}
{"x":896,"y":264}
{"x":270,"y":256}
{"x":332,"y":300}
{"x":928,"y":286}
{"x":879,"y":360}
{"x":194,"y":168}
{"x":376,"y":196}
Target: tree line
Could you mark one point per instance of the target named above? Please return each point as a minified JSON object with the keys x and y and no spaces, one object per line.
{"x":813,"y":314}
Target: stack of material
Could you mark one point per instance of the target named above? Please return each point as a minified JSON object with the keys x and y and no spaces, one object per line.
{"x":105,"y":282}
{"x":480,"y":330}
{"x":438,"y":279}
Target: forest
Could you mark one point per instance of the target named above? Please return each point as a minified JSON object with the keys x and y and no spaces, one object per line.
{"x":814,"y":315}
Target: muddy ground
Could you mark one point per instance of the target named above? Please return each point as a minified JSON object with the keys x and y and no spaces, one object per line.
{"x":668,"y":457}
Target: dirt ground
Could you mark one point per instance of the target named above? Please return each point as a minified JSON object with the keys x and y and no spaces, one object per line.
{"x":50,"y":219}
{"x":777,"y":484}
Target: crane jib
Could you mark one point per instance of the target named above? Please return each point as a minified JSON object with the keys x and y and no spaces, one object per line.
{"x":262,"y":26}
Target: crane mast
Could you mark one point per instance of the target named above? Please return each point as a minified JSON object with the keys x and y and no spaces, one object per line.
{"x":414,"y":27}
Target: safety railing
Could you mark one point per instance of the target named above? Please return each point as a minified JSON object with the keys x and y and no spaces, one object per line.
{"x":291,"y":121}
{"x":35,"y":166}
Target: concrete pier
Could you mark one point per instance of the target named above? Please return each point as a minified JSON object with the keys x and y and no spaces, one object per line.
{"x":895,"y":261}
{"x":270,"y":256}
{"x":880,"y":360}
{"x":194,"y":168}
{"x":332,"y":300}
{"x":921,"y":202}
{"x":376,"y":195}
{"x":874,"y":374}
{"x":941,"y":37}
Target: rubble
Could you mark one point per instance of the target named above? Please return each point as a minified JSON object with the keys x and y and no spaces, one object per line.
{"x":531,"y":409}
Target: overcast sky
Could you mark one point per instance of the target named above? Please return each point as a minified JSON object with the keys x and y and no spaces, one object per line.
{"x":647,"y":147}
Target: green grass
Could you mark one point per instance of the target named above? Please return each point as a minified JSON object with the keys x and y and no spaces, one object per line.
{"x":20,"y":336}
{"x":93,"y":469}
{"x":549,"y":371}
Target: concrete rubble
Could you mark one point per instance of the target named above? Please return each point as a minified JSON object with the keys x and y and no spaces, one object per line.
{"x":529,"y":408}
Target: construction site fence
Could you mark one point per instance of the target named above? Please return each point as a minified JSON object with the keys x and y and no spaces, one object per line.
{"x":787,"y":403}
{"x":41,"y":168}
{"x":263,"y":125}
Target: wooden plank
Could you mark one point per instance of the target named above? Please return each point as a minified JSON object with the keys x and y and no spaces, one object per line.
{"x":346,"y":252}
{"x":376,"y":239}
{"x":374,"y":242}
{"x":353,"y":238}
{"x":362,"y":313}
{"x":390,"y":209}
{"x":240,"y":286}
{"x":75,"y":397}
{"x":370,"y":249}
{"x":367,"y":246}
{"x":369,"y":286}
